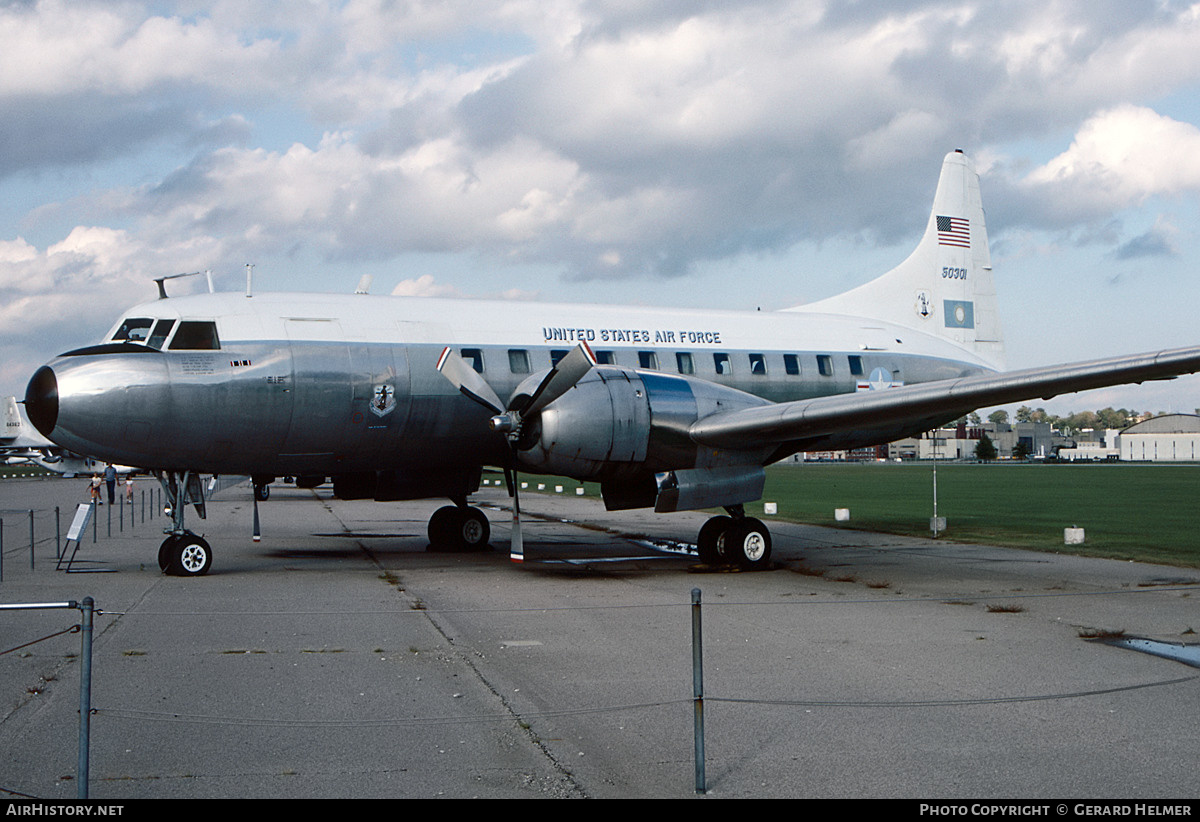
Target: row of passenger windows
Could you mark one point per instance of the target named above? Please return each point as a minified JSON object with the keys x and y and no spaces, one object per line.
{"x":685,"y":362}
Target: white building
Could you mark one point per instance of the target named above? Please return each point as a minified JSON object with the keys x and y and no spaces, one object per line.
{"x":1169,"y":438}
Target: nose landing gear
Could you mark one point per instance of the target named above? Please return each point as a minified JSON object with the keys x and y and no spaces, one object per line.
{"x":183,"y":553}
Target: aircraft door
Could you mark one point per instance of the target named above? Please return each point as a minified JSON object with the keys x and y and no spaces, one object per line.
{"x":321,"y":396}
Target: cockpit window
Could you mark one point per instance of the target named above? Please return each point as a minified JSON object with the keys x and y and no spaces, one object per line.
{"x":162,"y":330}
{"x":134,"y":329}
{"x":195,"y":335}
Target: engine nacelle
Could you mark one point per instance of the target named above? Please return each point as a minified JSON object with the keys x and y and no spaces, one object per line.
{"x":618,"y":423}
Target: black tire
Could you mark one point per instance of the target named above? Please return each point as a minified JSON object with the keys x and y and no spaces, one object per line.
{"x":191,"y":556}
{"x":262,"y":493}
{"x":441,"y":528}
{"x":748,"y":543}
{"x":166,"y":553}
{"x":711,"y":541}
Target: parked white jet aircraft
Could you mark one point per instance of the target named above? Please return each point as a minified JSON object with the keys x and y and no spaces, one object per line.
{"x":21,"y":442}
{"x":675,"y":409}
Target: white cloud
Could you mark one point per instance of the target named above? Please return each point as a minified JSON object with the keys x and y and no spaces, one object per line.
{"x":596,"y":139}
{"x":1122,"y":156}
{"x":59,"y":47}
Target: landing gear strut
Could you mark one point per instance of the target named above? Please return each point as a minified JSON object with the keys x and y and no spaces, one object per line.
{"x":182,"y":553}
{"x":459,"y":528}
{"x":735,"y":540}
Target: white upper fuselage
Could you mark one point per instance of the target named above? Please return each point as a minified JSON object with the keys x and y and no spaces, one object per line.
{"x":539,"y":328}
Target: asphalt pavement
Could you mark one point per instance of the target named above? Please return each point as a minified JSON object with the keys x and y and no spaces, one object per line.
{"x":338,"y":658}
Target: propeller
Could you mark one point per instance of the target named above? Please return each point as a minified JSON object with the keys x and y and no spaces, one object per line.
{"x":257,"y":529}
{"x":508,"y":420}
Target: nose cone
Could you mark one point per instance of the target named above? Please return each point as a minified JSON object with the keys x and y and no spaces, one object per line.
{"x":88,"y":402}
{"x":41,"y":400}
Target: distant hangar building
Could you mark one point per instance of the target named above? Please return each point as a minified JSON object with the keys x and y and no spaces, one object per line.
{"x":1171,"y":437}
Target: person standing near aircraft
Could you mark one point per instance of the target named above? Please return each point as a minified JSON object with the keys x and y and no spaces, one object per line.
{"x":94,"y":489}
{"x":110,"y":479}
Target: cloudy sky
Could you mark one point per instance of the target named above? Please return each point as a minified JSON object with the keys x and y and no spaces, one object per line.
{"x":683,"y":152}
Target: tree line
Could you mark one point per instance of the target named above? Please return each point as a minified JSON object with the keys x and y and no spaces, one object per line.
{"x":1072,"y":423}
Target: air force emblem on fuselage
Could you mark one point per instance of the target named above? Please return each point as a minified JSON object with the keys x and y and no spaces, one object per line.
{"x":383,"y":400}
{"x":879,"y":380}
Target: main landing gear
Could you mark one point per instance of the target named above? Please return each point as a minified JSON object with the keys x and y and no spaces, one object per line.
{"x":459,"y":528}
{"x":735,"y":540}
{"x":182,"y":553}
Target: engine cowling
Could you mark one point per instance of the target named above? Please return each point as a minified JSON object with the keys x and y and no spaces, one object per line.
{"x":616,"y":422}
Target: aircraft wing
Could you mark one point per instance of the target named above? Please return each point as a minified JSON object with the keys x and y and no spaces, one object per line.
{"x":868,"y":418}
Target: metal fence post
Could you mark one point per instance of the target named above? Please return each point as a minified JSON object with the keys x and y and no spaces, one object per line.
{"x":698,"y":690}
{"x":57,"y":535}
{"x":31,"y":540}
{"x":85,"y":697}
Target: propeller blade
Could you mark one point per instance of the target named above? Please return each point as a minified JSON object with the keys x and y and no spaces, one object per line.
{"x":257,"y":530}
{"x":467,"y":380}
{"x":562,"y":378}
{"x":516,"y":551}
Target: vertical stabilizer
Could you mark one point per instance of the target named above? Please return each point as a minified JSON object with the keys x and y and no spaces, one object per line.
{"x":12,"y":420}
{"x":945,"y":286}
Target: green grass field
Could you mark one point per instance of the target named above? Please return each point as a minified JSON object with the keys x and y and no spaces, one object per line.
{"x":1139,"y":511}
{"x":1144,"y":512}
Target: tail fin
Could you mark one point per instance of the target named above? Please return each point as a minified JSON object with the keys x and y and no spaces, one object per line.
{"x":12,"y":419}
{"x":945,"y":286}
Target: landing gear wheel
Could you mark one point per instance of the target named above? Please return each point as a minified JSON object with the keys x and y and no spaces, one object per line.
{"x":262,"y":493}
{"x":458,"y":529}
{"x":191,"y":556}
{"x":166,"y":552}
{"x":710,"y":544}
{"x":473,"y":530}
{"x":748,"y":543}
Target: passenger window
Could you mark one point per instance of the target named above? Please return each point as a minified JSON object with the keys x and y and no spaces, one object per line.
{"x":856,"y":366}
{"x":791,"y":364}
{"x":721,"y":361}
{"x":518,"y":361}
{"x":134,"y":329}
{"x":758,"y":365}
{"x":825,"y":365}
{"x":648,"y":360}
{"x":605,"y":358}
{"x":684,"y":360}
{"x":474,"y":356}
{"x":162,"y":330}
{"x":556,"y":355}
{"x":196,"y":336}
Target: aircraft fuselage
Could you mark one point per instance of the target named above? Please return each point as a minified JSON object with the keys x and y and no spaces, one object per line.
{"x":327,"y":384}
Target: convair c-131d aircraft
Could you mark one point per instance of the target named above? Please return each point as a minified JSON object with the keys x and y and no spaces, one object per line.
{"x":399,"y":398}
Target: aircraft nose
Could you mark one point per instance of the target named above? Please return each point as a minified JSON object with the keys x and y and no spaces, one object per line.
{"x":41,"y":400}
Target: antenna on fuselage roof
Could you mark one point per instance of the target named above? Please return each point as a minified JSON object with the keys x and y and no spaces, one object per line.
{"x":162,"y":282}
